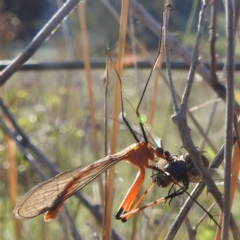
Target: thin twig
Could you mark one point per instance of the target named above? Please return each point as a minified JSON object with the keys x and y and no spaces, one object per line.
{"x":34,"y":65}
{"x":106,"y":81}
{"x":230,"y":18}
{"x":212,"y":39}
{"x":40,"y":38}
{"x":167,"y":60}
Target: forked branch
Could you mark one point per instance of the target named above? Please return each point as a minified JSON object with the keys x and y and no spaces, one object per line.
{"x":180,"y":119}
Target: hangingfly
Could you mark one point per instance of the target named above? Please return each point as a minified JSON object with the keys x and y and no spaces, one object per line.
{"x":50,"y":195}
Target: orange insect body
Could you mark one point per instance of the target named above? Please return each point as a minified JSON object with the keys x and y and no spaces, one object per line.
{"x":50,"y":195}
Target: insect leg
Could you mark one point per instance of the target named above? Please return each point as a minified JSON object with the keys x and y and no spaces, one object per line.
{"x":134,"y":211}
{"x":139,"y":200}
{"x":131,"y":194}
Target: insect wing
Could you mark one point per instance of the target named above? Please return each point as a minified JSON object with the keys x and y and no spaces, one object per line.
{"x":216,"y":174}
{"x":50,"y":195}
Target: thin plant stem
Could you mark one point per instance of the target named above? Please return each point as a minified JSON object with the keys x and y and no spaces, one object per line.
{"x":167,"y":59}
{"x":113,"y":145}
{"x":106,"y":142}
{"x":10,"y":149}
{"x":230,"y":21}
